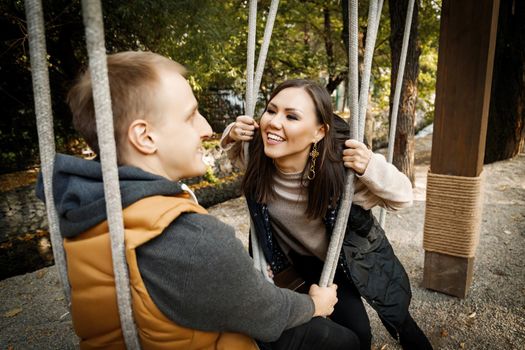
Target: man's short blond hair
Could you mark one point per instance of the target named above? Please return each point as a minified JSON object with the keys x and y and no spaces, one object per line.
{"x":133,"y":78}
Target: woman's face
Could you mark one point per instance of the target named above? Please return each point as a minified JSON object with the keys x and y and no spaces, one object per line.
{"x":289,"y":127}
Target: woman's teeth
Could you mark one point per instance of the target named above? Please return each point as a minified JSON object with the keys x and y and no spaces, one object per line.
{"x":275,"y":138}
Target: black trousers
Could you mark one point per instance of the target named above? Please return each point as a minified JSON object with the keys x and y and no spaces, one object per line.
{"x":317,"y":334}
{"x":350,"y":311}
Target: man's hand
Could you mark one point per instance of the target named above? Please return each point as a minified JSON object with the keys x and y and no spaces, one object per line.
{"x":324,"y":299}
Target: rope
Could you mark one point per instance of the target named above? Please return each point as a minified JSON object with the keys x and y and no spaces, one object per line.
{"x":336,"y":242}
{"x":252,"y":89}
{"x":268,"y":29}
{"x":44,"y":123}
{"x":92,"y":14}
{"x":397,"y":93}
{"x":374,"y":15}
{"x":250,"y":56}
{"x":452,"y":215}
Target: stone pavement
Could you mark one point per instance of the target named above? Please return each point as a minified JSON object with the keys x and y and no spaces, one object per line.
{"x":33,"y":314}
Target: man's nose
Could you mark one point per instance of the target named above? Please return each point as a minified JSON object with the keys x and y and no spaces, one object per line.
{"x":204,"y":128}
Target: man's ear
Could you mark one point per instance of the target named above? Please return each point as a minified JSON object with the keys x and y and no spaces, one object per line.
{"x":139,"y":136}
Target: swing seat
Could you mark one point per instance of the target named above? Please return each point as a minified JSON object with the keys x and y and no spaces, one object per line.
{"x":290,"y":279}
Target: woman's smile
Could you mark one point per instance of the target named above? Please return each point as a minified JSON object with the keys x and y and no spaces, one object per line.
{"x":274,"y":139}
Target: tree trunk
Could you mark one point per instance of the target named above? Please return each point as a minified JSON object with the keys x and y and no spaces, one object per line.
{"x":506,"y":124}
{"x":404,"y":141}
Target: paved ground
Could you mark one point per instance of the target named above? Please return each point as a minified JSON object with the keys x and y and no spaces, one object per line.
{"x":493,"y":314}
{"x":33,"y":314}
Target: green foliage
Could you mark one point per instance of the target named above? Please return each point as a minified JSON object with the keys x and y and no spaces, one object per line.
{"x":210,"y":176}
{"x":210,"y":144}
{"x":208,"y":37}
{"x":430,"y":12}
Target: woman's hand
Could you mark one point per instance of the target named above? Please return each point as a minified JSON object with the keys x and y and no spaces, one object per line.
{"x":270,"y":271}
{"x":243,"y":129}
{"x":356,"y":156}
{"x":324,"y":299}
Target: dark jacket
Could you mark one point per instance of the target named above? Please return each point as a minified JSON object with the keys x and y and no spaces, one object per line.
{"x":367,"y":258}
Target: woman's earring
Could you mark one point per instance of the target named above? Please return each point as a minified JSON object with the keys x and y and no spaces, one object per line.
{"x":314,"y":153}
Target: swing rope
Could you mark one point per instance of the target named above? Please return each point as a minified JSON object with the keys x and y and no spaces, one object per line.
{"x":268,"y":29}
{"x":357,"y":131}
{"x":252,"y":90}
{"x":46,"y":138}
{"x":336,"y":241}
{"x":397,"y":94}
{"x":93,"y":22}
{"x":250,"y":58}
{"x":374,"y":15}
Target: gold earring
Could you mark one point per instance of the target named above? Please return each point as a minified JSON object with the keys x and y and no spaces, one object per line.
{"x":314,"y":153}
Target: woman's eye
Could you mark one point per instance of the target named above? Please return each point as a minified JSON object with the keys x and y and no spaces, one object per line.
{"x":291,"y":117}
{"x":270,"y":111}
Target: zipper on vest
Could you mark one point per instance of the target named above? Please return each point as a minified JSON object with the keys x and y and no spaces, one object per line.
{"x":186,"y":189}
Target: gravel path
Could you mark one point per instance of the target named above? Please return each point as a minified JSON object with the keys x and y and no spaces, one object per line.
{"x":33,"y":314}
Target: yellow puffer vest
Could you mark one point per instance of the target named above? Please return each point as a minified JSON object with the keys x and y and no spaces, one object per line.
{"x":93,"y":294}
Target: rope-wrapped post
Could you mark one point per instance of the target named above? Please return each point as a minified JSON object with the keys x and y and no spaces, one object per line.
{"x":454,"y":204}
{"x":397,"y":93}
{"x":93,"y":22}
{"x":46,"y":138}
{"x":336,"y":241}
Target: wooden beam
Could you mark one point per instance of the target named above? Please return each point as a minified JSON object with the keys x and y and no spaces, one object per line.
{"x":442,"y":273}
{"x":466,"y":55}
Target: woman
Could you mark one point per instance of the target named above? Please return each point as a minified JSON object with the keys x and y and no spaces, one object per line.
{"x":293,"y":183}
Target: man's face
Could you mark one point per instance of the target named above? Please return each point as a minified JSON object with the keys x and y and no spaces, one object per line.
{"x":179,"y":128}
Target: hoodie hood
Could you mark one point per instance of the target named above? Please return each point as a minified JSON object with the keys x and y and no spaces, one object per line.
{"x":79,"y":191}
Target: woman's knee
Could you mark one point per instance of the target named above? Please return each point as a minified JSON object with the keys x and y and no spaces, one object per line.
{"x":356,"y":321}
{"x":330,"y":335}
{"x":364,"y":332}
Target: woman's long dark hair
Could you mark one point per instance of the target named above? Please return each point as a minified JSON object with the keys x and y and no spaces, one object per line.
{"x":324,"y":190}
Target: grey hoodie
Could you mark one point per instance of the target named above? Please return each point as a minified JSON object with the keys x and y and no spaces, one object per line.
{"x":197,"y":272}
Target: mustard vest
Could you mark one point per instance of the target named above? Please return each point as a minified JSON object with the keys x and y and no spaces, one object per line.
{"x":93,"y":294}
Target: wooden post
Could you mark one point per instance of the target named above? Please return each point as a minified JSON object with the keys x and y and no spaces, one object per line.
{"x":466,"y":56}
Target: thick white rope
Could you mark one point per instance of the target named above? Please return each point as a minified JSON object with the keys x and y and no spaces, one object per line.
{"x":46,"y":138}
{"x":336,"y":241}
{"x":268,"y":29}
{"x":259,"y":260}
{"x":92,"y":14}
{"x":258,"y":255}
{"x":397,"y":93}
{"x":374,"y":16}
{"x":250,"y":56}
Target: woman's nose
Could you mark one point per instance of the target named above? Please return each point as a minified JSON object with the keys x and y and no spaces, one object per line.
{"x":277,"y":121}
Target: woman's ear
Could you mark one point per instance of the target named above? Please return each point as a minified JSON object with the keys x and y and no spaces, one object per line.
{"x":321,"y":132}
{"x":140,"y":138}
